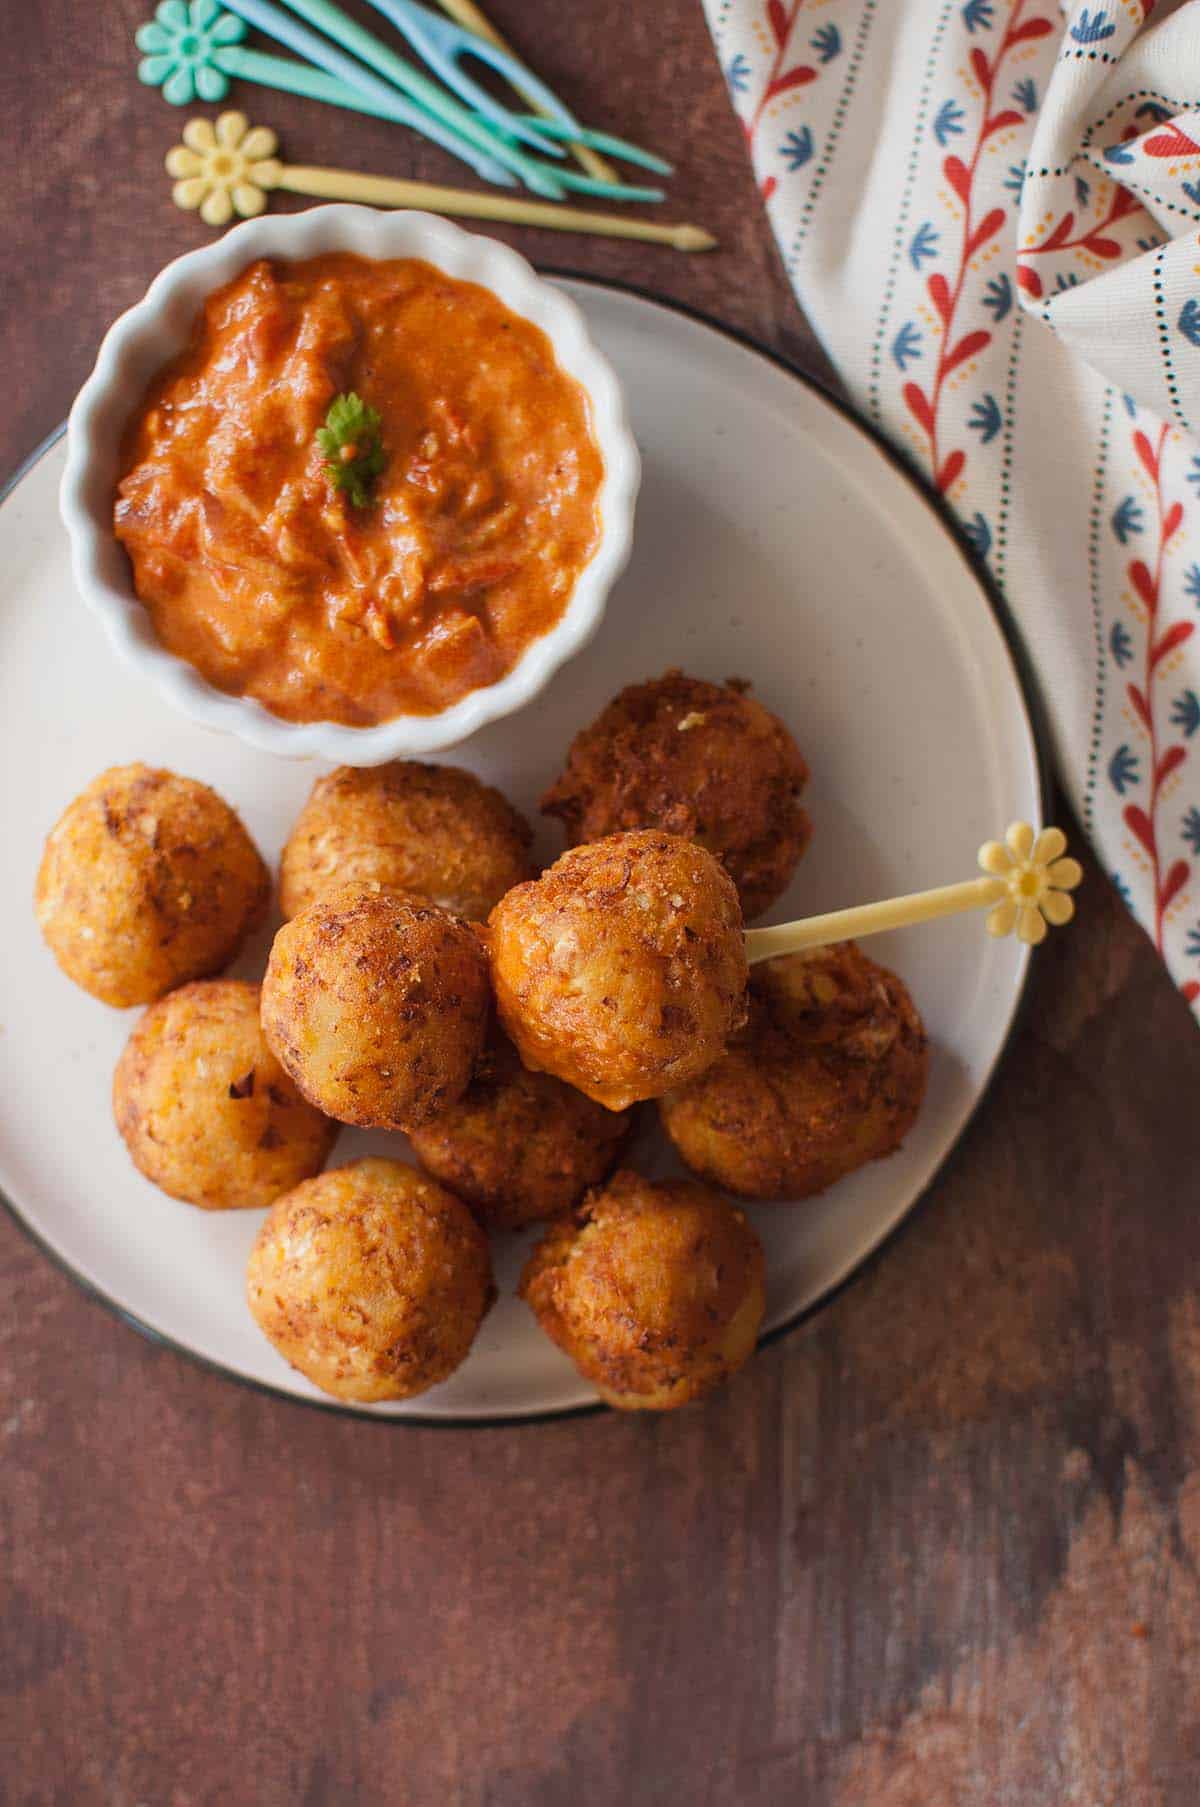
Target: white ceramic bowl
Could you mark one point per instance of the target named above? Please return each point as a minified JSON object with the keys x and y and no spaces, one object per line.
{"x":143,"y":340}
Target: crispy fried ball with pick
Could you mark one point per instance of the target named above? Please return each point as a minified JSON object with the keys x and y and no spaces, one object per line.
{"x":622,"y":969}
{"x":700,"y":760}
{"x":147,"y":880}
{"x":519,"y":1147}
{"x":654,"y":1291}
{"x":371,"y":1280}
{"x":828,"y":1074}
{"x":376,"y":1006}
{"x":432,"y":831}
{"x":206,"y":1110}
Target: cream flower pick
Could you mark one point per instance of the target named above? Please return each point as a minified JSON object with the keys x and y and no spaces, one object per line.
{"x":1026,"y":885}
{"x":224,"y":169}
{"x":1037,"y":882}
{"x":232,"y":167}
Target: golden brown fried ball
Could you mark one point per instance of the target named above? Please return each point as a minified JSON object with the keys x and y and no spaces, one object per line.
{"x":519,"y":1146}
{"x":206,"y":1110}
{"x":371,"y":1280}
{"x":147,"y":880}
{"x":622,"y":968}
{"x":701,"y":760}
{"x":431,"y":831}
{"x":829,"y":1073}
{"x":654,"y":1291}
{"x":376,"y":1006}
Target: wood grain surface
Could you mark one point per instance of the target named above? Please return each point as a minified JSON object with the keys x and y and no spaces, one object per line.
{"x":940,"y":1548}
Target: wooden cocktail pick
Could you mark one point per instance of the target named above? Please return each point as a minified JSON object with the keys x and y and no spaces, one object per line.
{"x":232,"y":167}
{"x":1025,"y":886}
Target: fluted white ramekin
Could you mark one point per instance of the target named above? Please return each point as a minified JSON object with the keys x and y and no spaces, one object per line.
{"x":143,"y":339}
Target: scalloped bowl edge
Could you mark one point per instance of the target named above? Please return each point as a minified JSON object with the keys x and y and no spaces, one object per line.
{"x":142,"y":340}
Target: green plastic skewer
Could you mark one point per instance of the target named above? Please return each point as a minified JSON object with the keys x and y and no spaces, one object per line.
{"x":245,"y":64}
{"x":275,"y":22}
{"x":193,"y":51}
{"x":294,"y":77}
{"x":604,"y":190}
{"x":362,"y":43}
{"x":578,"y":135}
{"x":184,"y":41}
{"x":585,"y":153}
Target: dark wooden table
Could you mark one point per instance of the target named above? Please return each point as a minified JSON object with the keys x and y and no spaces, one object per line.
{"x":940,"y":1548}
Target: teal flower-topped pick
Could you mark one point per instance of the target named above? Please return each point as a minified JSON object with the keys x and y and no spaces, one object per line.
{"x":181,"y":42}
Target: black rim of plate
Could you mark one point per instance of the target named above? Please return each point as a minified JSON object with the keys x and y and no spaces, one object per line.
{"x":1031,"y":699}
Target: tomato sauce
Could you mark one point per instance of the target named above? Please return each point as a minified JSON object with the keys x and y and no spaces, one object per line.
{"x":266,"y":578}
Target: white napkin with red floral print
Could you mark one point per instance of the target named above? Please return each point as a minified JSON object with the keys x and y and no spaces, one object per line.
{"x":990,"y":210}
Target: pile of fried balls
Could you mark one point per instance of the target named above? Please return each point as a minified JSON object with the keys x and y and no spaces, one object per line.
{"x":426,"y":980}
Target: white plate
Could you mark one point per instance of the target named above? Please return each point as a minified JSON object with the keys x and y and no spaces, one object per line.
{"x":775,"y":541}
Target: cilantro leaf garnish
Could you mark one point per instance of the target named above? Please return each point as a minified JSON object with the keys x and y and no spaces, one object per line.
{"x":354,"y":456}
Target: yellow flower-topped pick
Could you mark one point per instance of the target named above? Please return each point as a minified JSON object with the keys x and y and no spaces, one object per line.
{"x":1026,"y":886}
{"x":231,"y":167}
{"x":1037,"y":881}
{"x":224,"y":169}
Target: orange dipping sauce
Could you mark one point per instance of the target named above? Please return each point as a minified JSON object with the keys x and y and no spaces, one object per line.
{"x":267,"y":579}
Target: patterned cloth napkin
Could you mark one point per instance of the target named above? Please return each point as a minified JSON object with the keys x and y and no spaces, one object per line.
{"x":990,"y":212}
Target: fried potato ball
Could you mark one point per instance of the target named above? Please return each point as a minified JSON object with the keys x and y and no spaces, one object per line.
{"x":431,"y":831}
{"x":147,"y":880}
{"x":371,"y":1280}
{"x":376,"y":1006}
{"x":519,"y":1146}
{"x":654,"y":1291}
{"x":828,"y":1074}
{"x":700,"y":760}
{"x":204,"y":1107}
{"x":621,"y":969}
